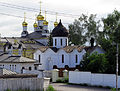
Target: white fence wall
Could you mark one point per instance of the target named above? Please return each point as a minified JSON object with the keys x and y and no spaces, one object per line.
{"x":39,"y":73}
{"x":93,"y":79}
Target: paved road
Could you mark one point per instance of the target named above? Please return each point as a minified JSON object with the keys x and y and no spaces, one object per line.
{"x":65,"y":87}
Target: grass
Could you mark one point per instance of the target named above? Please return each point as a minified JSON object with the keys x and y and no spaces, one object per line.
{"x":50,"y":88}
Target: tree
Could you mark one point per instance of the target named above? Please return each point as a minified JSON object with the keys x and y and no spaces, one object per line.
{"x":83,"y":29}
{"x":111,"y":28}
{"x":111,"y":36}
{"x":96,"y":63}
{"x":50,"y":43}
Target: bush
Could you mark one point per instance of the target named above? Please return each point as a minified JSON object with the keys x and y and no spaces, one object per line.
{"x":114,"y":89}
{"x":50,"y":88}
{"x":8,"y":90}
{"x":64,"y":80}
{"x":59,"y":81}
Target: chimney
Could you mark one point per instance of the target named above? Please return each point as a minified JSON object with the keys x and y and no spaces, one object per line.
{"x":92,"y":42}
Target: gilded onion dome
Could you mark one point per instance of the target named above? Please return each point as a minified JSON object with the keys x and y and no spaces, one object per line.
{"x":55,"y":23}
{"x":24,"y":23}
{"x":45,"y":22}
{"x":40,"y":17}
{"x":35,"y":24}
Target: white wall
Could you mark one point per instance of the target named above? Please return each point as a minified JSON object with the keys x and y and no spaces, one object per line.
{"x":50,"y":58}
{"x":39,"y":73}
{"x":18,"y":66}
{"x":22,"y":83}
{"x":93,"y":79}
{"x":58,"y":42}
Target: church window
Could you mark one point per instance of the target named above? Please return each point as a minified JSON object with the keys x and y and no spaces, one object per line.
{"x":30,"y":68}
{"x":76,"y":58}
{"x":15,"y":67}
{"x":62,"y":58}
{"x":61,"y":42}
{"x":55,"y":42}
{"x":10,"y":67}
{"x":35,"y":68}
{"x":39,"y":58}
{"x":66,"y":42}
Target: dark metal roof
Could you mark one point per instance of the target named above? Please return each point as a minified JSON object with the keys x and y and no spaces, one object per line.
{"x":35,"y":35}
{"x":60,"y":31}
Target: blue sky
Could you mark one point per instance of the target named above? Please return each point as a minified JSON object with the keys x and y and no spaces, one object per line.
{"x":11,"y":26}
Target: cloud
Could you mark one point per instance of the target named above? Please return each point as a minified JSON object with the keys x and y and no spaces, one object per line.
{"x":13,"y":26}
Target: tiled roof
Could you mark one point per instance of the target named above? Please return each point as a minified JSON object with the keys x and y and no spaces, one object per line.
{"x":67,"y":49}
{"x":5,"y":58}
{"x":90,"y":49}
{"x":7,"y":72}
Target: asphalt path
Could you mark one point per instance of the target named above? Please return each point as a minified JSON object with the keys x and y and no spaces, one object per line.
{"x":66,"y":87}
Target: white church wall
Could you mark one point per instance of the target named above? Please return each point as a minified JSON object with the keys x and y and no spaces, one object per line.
{"x":73,"y":57}
{"x":49,"y":58}
{"x":66,"y":58}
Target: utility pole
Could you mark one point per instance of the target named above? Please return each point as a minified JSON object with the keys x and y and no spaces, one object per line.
{"x":117,"y":67}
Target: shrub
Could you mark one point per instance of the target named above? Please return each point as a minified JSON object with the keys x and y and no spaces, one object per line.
{"x":114,"y":89}
{"x":50,"y":88}
{"x":59,"y":81}
{"x":8,"y":90}
{"x":65,"y":80}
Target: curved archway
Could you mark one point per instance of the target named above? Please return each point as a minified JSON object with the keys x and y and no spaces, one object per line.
{"x":54,"y":66}
{"x":66,"y":67}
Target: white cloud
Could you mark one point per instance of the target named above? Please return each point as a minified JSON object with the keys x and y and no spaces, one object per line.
{"x":13,"y":26}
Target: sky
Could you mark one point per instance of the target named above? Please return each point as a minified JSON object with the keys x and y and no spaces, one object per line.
{"x":68,"y":11}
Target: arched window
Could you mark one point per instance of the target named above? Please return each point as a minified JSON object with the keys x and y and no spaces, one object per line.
{"x":10,"y":67}
{"x":15,"y":67}
{"x":66,"y":42}
{"x":35,"y":68}
{"x":61,"y":42}
{"x":66,"y":67}
{"x":22,"y":69}
{"x":30,"y":68}
{"x":76,"y":58}
{"x":39,"y":58}
{"x":62,"y":58}
{"x":55,"y":42}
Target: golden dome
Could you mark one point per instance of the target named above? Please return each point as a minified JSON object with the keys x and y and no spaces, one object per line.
{"x":40,"y":17}
{"x":55,"y":23}
{"x":35,"y":24}
{"x":24,"y":23}
{"x":45,"y":22}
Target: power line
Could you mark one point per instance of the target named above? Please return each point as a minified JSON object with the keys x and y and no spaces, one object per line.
{"x":23,"y":17}
{"x":35,"y":10}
